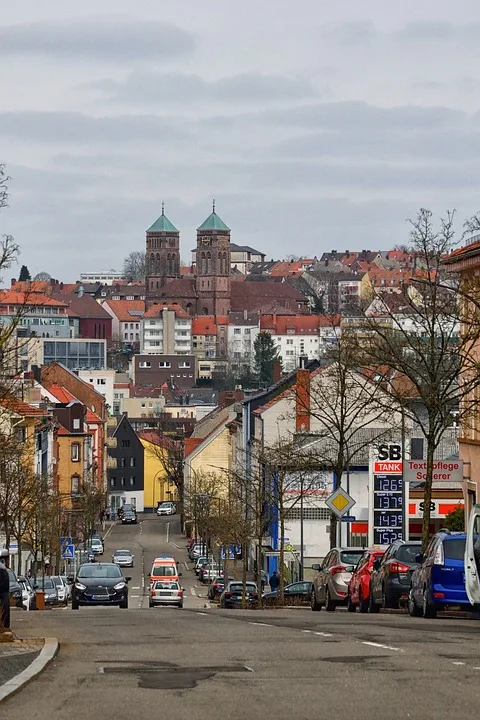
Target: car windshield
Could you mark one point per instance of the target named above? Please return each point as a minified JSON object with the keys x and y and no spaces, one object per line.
{"x":238,"y":587}
{"x":454,"y":548}
{"x":166,"y":504}
{"x":11,"y":576}
{"x":57,"y":580}
{"x":218,"y":581}
{"x":122,"y":552}
{"x":407,"y":553}
{"x":47,"y":584}
{"x":99,"y":571}
{"x":166,"y":586}
{"x":163,"y":570}
{"x":350,"y":557}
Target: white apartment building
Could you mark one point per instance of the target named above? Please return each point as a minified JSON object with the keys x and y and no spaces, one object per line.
{"x":243,"y":329}
{"x":126,"y":316}
{"x":106,"y":277}
{"x":102,"y":381}
{"x":299,"y":336}
{"x":166,"y":330}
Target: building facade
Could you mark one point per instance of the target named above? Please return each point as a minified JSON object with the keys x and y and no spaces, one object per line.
{"x":126,"y":469}
{"x":166,"y":330}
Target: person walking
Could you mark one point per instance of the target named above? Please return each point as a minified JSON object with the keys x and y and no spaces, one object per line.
{"x":4,"y":592}
{"x":274,"y":581}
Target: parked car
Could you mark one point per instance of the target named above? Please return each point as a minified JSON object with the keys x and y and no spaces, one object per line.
{"x":330,"y":585}
{"x":208,"y":572}
{"x":166,"y":593}
{"x":124,"y":558}
{"x":199,"y":563}
{"x":100,"y":584}
{"x":15,"y":589}
{"x":48,"y":587}
{"x":196,"y":551}
{"x":440,"y":578}
{"x":359,"y":585}
{"x":166,"y":508}
{"x":28,"y":594}
{"x":298,"y":593}
{"x":96,"y":545}
{"x":392,"y":573}
{"x":68,"y":586}
{"x":233,"y":593}
{"x":216,"y":588}
{"x":61,"y":589}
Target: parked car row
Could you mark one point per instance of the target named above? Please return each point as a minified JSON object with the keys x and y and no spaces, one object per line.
{"x":56,"y":590}
{"x":381,"y":577}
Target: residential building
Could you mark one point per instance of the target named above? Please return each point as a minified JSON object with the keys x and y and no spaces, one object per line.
{"x":40,"y":315}
{"x":126,"y":316}
{"x":121,"y":390}
{"x":126,"y":472}
{"x":87,"y":317}
{"x":142,"y":407}
{"x":166,"y":330}
{"x":243,"y":329}
{"x":157,"y":486}
{"x":123,"y":290}
{"x":301,"y":336}
{"x":74,"y":354}
{"x":103,"y":381}
{"x":153,"y":371}
{"x":105,"y":277}
{"x":204,"y":336}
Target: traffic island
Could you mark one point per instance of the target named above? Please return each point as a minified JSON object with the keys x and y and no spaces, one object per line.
{"x":22,"y":660}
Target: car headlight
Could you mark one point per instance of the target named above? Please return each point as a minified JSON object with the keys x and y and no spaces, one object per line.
{"x":120,"y":586}
{"x":80,"y":586}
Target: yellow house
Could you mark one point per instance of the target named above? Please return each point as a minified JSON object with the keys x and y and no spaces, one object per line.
{"x":156,"y":486}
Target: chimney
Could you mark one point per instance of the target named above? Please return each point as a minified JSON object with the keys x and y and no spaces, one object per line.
{"x":277,"y":371}
{"x":302,"y":400}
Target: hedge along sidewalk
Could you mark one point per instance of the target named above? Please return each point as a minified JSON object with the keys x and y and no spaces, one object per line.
{"x":29,"y":662}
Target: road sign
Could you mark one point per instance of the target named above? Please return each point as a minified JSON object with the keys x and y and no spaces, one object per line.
{"x":231,"y":553}
{"x":348,"y":518}
{"x":340,"y":502}
{"x":68,"y":552}
{"x":67,"y":540}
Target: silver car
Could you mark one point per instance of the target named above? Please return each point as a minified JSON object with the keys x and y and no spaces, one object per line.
{"x":166,"y":592}
{"x":330,"y":585}
{"x":123,"y":558}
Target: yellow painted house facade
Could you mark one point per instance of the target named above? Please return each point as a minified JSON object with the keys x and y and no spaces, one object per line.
{"x":156,"y":487}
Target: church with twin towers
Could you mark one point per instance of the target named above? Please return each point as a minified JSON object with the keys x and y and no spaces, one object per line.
{"x":207,"y":290}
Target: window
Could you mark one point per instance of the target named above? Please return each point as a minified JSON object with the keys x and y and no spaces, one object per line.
{"x":125,"y":443}
{"x":112,"y":482}
{"x":132,"y":462}
{"x":289,"y":342}
{"x":76,"y":423}
{"x":145,"y":364}
{"x":101,"y":381}
{"x":75,"y":484}
{"x":184,"y":365}
{"x":122,"y":482}
{"x":237,"y":331}
{"x":247,"y":331}
{"x":75,"y":452}
{"x":132,"y":481}
{"x":289,"y":352}
{"x":123,"y":462}
{"x":164,"y":364}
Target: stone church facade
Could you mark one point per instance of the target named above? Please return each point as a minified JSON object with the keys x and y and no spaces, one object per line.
{"x":207,"y":292}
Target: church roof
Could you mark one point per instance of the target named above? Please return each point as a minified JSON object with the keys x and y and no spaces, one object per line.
{"x":213,"y":222}
{"x":163,"y":224}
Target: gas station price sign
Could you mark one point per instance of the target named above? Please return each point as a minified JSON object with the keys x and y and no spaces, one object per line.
{"x":387,"y":494}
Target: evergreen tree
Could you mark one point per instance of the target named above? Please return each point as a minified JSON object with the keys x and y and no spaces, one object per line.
{"x":24,"y":274}
{"x":266,"y":354}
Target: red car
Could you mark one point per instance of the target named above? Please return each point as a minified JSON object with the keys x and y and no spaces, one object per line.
{"x":359,"y":585}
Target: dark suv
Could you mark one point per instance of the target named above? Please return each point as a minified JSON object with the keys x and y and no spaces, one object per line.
{"x":392,"y":574}
{"x":440,"y":579}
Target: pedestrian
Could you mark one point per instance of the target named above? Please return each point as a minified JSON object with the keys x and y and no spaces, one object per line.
{"x":274,"y":581}
{"x":102,"y":516}
{"x":4,"y":592}
{"x":107,"y":514}
{"x":264,"y":579}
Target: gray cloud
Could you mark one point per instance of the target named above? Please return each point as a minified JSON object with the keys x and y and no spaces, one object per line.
{"x":166,"y":88}
{"x":100,"y":38}
{"x":438,"y":32}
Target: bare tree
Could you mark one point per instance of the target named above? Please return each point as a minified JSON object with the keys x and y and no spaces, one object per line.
{"x":42,"y":276}
{"x":429,"y":345}
{"x":134,"y":266}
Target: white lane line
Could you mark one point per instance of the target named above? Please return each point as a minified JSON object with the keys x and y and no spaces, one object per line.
{"x":134,"y":596}
{"x":200,"y":613}
{"x":259,"y":623}
{"x":475,"y":668}
{"x":379,"y":645}
{"x":248,"y":668}
{"x":458,"y":663}
{"x":136,"y":587}
{"x":186,"y":566}
{"x":192,"y":590}
{"x":175,"y":545}
{"x":323,"y":634}
{"x":307,"y":631}
{"x":168,"y":532}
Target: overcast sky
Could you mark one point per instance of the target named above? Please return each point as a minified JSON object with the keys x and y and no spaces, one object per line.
{"x":315,"y":125}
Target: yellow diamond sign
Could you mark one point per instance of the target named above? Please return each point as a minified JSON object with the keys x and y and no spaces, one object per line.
{"x":340,"y":502}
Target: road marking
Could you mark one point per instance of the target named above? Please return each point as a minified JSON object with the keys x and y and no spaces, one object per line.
{"x":458,"y":663}
{"x":307,"y":631}
{"x":200,"y":613}
{"x":136,"y":587}
{"x":176,"y":546}
{"x":323,"y":634}
{"x":101,"y":670}
{"x":248,"y":668}
{"x":109,"y":530}
{"x":186,"y":566}
{"x":168,"y":531}
{"x":259,"y":623}
{"x":192,"y":590}
{"x":476,"y":668}
{"x":379,"y":645}
{"x":134,"y":596}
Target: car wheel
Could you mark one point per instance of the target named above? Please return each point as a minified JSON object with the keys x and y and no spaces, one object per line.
{"x":385,"y":599}
{"x":362,"y":604}
{"x":350,"y":605}
{"x":316,"y":607}
{"x":74,"y":605}
{"x":180,"y":605}
{"x":428,"y":611}
{"x":124,"y":605}
{"x":413,"y":609}
{"x":372,"y":605}
{"x":330,"y":604}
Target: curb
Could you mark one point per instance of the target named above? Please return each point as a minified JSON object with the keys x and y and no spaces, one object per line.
{"x":47,"y":654}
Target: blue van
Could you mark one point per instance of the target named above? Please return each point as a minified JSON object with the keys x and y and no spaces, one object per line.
{"x":440,"y":578}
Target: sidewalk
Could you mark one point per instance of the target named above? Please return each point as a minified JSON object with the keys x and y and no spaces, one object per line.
{"x":16,"y":657}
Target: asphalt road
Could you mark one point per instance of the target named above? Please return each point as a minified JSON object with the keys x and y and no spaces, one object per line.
{"x":207,"y":663}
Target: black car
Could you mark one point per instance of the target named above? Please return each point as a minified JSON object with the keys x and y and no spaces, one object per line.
{"x":100,"y":584}
{"x":298,"y":593}
{"x":129,"y":517}
{"x":233,"y":593}
{"x":15,"y":589}
{"x":392,"y":573}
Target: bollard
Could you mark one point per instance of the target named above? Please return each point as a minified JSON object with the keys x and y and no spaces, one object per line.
{"x":40,"y":600}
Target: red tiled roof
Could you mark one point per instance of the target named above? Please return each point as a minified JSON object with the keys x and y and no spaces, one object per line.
{"x":63,"y":395}
{"x":156,"y":309}
{"x":121,"y":308}
{"x":466,"y":250}
{"x":91,"y":417}
{"x":21,"y":408}
{"x":11,"y":297}
{"x":156,"y":438}
{"x":284,"y":268}
{"x":204,"y":325}
{"x":299,"y":324}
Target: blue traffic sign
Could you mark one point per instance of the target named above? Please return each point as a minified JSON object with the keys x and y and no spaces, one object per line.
{"x":67,"y":540}
{"x":68,"y":552}
{"x":348,"y":518}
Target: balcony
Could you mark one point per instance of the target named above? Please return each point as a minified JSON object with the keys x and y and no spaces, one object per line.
{"x":111,"y":442}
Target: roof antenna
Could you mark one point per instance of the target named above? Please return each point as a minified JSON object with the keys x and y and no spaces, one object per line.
{"x":163,"y":208}
{"x":213,"y":206}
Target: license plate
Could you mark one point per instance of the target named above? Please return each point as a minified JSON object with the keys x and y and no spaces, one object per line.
{"x":99,"y":597}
